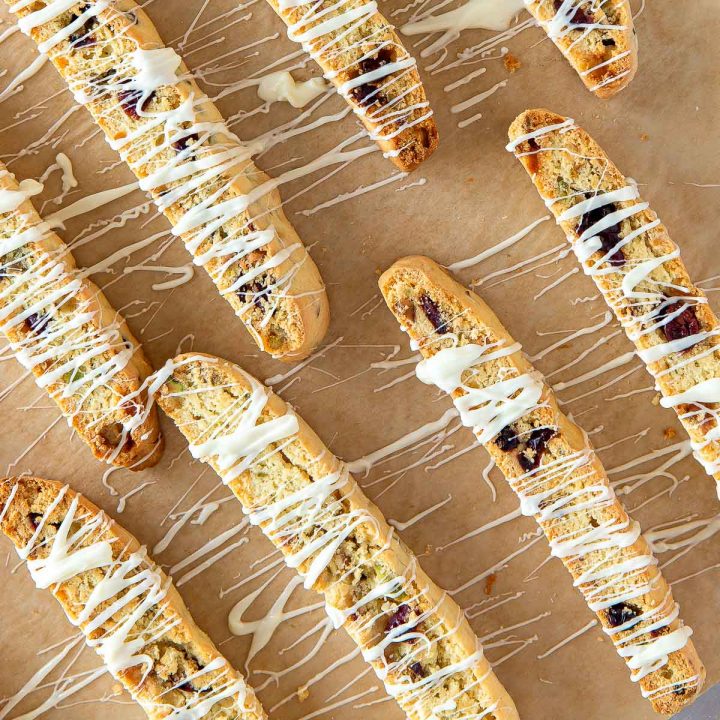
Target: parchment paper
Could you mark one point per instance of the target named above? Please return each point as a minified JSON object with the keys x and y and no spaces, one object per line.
{"x":662,"y":131}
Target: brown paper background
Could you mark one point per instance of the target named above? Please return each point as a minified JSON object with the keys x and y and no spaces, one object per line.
{"x":474,"y":195}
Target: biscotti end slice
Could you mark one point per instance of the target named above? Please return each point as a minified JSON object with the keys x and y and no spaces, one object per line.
{"x":597,"y":38}
{"x":128,"y":610}
{"x":199,"y":174}
{"x":362,"y":55}
{"x":550,"y":464}
{"x":416,"y":638}
{"x":628,"y":252}
{"x":62,"y":328}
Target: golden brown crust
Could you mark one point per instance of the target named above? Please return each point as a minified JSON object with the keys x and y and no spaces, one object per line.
{"x":283,"y":304}
{"x":605,"y":56}
{"x":97,"y":414}
{"x":393,"y":108}
{"x":437,"y":312}
{"x":567,"y":165}
{"x":179,"y":653}
{"x":203,"y":395}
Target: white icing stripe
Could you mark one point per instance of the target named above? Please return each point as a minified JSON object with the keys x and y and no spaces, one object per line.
{"x":62,"y":564}
{"x":488,"y":409}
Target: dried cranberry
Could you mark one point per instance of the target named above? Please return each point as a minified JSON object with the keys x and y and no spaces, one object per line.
{"x":361,"y":93}
{"x":130,"y":100}
{"x":581,"y":17}
{"x":608,"y":42}
{"x":417,"y":670}
{"x":621,"y":613}
{"x":37,"y":322}
{"x":537,"y":442}
{"x":398,"y":618}
{"x":539,"y":438}
{"x":257,"y":290}
{"x":82,"y":37}
{"x":682,"y":326}
{"x":433,"y":314}
{"x":507,"y":439}
{"x":609,"y":237}
{"x":384,"y":57}
{"x":185,"y":142}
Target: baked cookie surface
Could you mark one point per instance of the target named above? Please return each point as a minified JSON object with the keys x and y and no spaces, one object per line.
{"x":362,"y":55}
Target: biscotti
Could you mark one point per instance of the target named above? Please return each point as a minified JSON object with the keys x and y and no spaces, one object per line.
{"x":362,"y":55}
{"x":227,"y":212}
{"x":62,"y":329}
{"x":127,"y":609}
{"x":597,"y":38}
{"x":626,"y":250}
{"x":550,"y":464}
{"x":304,"y":499}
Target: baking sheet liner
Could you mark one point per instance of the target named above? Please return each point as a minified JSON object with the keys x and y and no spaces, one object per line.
{"x":359,"y":217}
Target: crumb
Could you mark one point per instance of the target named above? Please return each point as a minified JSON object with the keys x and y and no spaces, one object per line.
{"x":489,"y":582}
{"x":117,"y":689}
{"x":669,"y":433}
{"x":644,"y":137}
{"x":511,"y":63}
{"x":378,"y":272}
{"x":429,"y":549}
{"x":303,"y":693}
{"x":470,"y":180}
{"x":656,"y":399}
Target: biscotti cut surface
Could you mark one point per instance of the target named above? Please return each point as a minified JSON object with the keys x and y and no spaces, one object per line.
{"x":62,"y":329}
{"x":303,"y":498}
{"x":596,"y":36}
{"x":227,"y":212}
{"x":549,"y":462}
{"x":126,"y":607}
{"x":627,"y":251}
{"x":360,"y":52}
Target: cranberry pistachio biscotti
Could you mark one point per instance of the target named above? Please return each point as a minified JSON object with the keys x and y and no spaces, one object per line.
{"x":362,"y":55}
{"x":627,"y":251}
{"x":304,"y":499}
{"x":227,"y":212}
{"x":596,"y":36}
{"x":125,"y":606}
{"x":63,"y":329}
{"x":550,"y":464}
